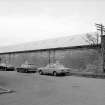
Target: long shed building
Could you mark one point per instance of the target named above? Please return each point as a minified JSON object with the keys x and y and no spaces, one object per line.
{"x":72,"y":51}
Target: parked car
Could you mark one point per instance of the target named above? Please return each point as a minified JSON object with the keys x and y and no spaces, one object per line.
{"x":10,"y":67}
{"x":6,"y":67}
{"x":54,"y":69}
{"x":27,"y":68}
{"x":3,"y":66}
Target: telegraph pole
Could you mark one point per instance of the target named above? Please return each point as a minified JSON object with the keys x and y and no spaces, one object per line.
{"x":101,"y":28}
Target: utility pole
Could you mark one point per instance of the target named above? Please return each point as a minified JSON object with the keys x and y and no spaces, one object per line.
{"x":101,"y":28}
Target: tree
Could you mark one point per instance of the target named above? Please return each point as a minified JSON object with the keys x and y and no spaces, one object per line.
{"x":92,"y":39}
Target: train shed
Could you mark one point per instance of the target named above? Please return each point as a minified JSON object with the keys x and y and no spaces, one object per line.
{"x":72,"y":51}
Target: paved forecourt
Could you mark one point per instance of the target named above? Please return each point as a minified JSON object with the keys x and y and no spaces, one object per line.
{"x":35,"y":89}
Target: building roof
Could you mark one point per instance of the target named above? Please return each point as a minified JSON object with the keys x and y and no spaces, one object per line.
{"x":68,"y":41}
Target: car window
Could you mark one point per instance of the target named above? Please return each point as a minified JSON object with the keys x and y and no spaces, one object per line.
{"x":52,"y":66}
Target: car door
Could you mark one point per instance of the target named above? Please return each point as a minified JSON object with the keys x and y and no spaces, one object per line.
{"x":51,"y":69}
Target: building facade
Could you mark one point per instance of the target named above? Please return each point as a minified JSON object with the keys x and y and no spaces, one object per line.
{"x":82,"y":58}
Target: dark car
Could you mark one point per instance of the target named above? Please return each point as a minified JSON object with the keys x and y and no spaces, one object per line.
{"x":10,"y":67}
{"x":3,"y":67}
{"x":27,"y":68}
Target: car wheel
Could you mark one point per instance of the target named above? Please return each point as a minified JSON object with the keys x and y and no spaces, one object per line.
{"x":18,"y":71}
{"x":26,"y":71}
{"x":54,"y":73}
{"x":40,"y":72}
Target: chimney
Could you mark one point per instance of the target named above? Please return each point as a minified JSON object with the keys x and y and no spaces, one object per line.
{"x":103,"y":51}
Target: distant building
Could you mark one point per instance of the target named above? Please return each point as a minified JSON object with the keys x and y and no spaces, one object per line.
{"x":72,"y":51}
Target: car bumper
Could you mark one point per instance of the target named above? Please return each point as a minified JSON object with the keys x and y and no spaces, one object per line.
{"x":10,"y":69}
{"x":63,"y":72}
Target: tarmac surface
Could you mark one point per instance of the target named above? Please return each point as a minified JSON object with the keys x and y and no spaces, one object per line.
{"x":35,"y":89}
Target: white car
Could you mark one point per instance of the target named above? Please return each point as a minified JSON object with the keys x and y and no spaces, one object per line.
{"x":54,"y":69}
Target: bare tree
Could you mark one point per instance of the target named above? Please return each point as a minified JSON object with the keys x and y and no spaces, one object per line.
{"x":92,"y":39}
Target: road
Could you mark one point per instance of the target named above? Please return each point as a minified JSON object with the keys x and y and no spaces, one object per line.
{"x":35,"y":89}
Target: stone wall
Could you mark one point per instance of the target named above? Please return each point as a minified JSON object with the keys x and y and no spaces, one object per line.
{"x":78,"y":59}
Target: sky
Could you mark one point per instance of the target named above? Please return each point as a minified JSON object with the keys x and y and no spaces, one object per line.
{"x":24,"y":21}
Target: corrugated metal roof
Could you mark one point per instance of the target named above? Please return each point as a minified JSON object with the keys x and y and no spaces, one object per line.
{"x":68,"y":41}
